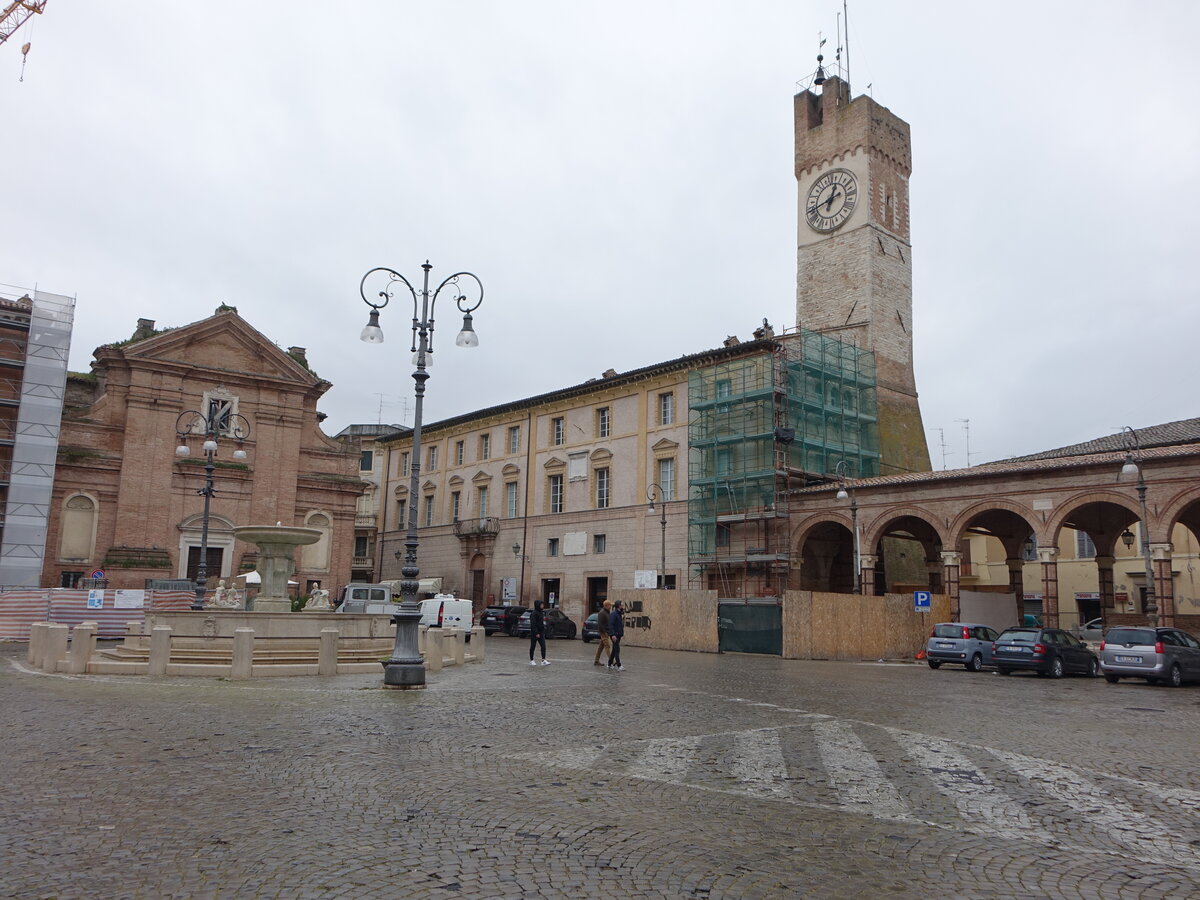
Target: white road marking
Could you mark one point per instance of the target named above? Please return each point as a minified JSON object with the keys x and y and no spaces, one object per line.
{"x":665,"y":759}
{"x":977,"y":797}
{"x":855,"y":774}
{"x":758,"y":764}
{"x":1116,"y":819}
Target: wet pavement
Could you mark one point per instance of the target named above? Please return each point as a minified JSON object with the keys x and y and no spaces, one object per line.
{"x":686,"y":776}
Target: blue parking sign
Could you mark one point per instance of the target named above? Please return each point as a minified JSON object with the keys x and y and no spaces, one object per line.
{"x":922,"y":601}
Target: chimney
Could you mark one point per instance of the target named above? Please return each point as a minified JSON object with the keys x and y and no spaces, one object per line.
{"x":299,"y":353}
{"x":610,"y":373}
{"x":731,"y":341}
{"x":145,"y":329}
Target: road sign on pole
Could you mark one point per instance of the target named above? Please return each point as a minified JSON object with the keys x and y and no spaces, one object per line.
{"x":922,"y":601}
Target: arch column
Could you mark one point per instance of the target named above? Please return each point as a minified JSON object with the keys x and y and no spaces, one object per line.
{"x":1164,"y":586}
{"x":1104,"y":570}
{"x":867,"y":564}
{"x":951,"y":566}
{"x":1016,"y":584}
{"x":1048,"y":557}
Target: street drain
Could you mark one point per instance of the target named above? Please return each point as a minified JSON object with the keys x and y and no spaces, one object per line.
{"x":504,"y":674}
{"x":1143,"y":709}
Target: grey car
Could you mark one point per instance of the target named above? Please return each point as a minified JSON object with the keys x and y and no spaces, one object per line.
{"x":1160,"y":655}
{"x":963,"y":643}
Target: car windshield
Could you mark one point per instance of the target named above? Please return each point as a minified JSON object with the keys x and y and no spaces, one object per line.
{"x":948,"y":630}
{"x":1020,"y":634}
{"x":1146,"y":636}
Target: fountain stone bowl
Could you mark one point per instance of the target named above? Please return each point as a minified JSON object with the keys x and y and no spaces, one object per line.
{"x":276,"y":547}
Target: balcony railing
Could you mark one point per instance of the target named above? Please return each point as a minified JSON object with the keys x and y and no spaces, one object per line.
{"x":489,"y":526}
{"x":363,"y":562}
{"x":364,"y":521}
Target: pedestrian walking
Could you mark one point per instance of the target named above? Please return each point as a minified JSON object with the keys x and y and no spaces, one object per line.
{"x":537,"y":633}
{"x":616,"y":631}
{"x":602,"y":620}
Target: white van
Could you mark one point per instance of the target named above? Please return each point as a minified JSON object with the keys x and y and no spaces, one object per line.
{"x":373,"y":599}
{"x":447,"y":611}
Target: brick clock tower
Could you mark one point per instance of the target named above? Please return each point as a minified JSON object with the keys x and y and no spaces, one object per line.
{"x":854,"y":259}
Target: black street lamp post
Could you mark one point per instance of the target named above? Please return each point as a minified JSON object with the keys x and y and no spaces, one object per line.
{"x":1133,"y":468}
{"x":219,"y":421}
{"x":405,"y":668}
{"x":847,"y":491}
{"x":662,"y":500}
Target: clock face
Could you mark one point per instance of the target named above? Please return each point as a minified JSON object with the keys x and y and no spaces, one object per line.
{"x":831,"y":200}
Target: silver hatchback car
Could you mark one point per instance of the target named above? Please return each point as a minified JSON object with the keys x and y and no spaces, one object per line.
{"x":1160,"y":655}
{"x":963,"y":643}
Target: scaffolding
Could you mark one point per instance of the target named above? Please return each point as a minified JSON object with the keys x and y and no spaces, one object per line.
{"x":759,"y":425}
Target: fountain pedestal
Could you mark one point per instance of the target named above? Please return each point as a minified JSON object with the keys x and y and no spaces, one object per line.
{"x":276,"y":546}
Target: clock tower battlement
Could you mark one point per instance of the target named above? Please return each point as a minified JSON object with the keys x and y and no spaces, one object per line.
{"x":854,"y":257}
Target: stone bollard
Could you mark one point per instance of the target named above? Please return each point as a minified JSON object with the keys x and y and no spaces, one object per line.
{"x":422,"y":630}
{"x":327,"y":655}
{"x":479,"y":644}
{"x":83,"y":642}
{"x":37,"y":640}
{"x":458,"y":641}
{"x":55,"y":648}
{"x":133,"y":631}
{"x":433,"y":650}
{"x":243,"y":654}
{"x":160,"y":650}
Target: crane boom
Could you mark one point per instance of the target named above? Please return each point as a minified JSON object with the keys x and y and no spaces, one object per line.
{"x":14,"y":15}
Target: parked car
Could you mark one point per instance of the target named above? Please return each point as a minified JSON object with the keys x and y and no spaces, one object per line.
{"x":963,"y":643}
{"x":1048,"y":651}
{"x":591,"y":629}
{"x":1160,"y":655}
{"x":558,"y":625}
{"x":1092,"y":630}
{"x":500,"y":618}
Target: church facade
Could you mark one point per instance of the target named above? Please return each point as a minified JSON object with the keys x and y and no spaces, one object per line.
{"x":126,"y":509}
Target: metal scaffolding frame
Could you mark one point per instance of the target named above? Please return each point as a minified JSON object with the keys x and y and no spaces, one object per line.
{"x":759,"y":425}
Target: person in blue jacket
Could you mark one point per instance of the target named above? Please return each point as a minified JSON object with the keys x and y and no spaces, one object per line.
{"x":616,"y":631}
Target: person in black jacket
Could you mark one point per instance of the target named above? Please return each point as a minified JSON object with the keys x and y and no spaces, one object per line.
{"x":616,"y":631}
{"x":537,"y":632}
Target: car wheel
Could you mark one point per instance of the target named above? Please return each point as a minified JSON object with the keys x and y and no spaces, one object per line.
{"x":1111,"y":678}
{"x":976,"y":663}
{"x":1056,"y":668}
{"x":1092,"y":669}
{"x":1174,"y":676}
{"x":1000,"y":670}
{"x":487,"y":633}
{"x":586,"y":640}
{"x":935,"y":664}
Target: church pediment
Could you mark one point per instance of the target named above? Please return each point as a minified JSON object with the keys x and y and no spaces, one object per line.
{"x":224,"y":342}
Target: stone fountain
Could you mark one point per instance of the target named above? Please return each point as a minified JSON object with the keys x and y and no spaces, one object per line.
{"x":276,"y":547}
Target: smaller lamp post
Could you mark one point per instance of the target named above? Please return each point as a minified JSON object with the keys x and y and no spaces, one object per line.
{"x":1132,"y":468}
{"x":662,"y":500}
{"x":845,"y":490}
{"x":219,"y":421}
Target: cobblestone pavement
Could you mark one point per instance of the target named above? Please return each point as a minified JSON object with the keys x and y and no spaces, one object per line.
{"x":687,"y":776}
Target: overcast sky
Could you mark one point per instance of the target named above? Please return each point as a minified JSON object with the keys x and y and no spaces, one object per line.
{"x":620,"y":177}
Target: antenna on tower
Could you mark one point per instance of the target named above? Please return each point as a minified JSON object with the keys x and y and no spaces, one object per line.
{"x":846,"y":36}
{"x":942,"y":442}
{"x":966,"y":424}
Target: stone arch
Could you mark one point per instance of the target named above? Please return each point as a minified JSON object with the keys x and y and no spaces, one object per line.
{"x":1183,"y":509}
{"x":824,"y":546}
{"x":957,"y":529}
{"x":1093,"y":522}
{"x":876,"y":531}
